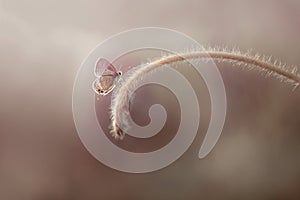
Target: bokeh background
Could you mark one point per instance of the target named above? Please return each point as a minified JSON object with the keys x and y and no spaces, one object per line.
{"x":42,"y":44}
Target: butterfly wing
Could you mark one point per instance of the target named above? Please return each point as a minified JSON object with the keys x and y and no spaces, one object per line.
{"x":96,"y":86}
{"x":103,"y":65}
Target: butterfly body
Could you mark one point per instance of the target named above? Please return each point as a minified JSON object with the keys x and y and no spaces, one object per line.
{"x":107,"y":77}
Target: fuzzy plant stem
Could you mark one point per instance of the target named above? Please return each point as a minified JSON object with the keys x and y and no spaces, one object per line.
{"x":121,"y":95}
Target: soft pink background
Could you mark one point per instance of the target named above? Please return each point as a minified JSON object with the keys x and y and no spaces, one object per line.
{"x":42,"y":44}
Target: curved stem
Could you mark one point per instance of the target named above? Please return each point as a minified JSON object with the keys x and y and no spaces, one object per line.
{"x":119,"y":106}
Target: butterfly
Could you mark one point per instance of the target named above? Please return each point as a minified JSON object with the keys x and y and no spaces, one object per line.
{"x":107,"y":77}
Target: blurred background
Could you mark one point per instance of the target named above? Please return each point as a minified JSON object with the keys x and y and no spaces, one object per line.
{"x":42,"y":45}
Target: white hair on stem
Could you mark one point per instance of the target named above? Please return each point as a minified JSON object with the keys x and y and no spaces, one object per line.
{"x":125,"y":88}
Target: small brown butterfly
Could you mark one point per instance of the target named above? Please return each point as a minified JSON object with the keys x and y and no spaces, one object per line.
{"x":107,"y":77}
